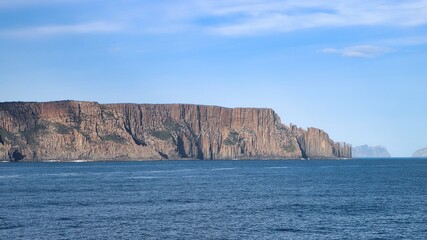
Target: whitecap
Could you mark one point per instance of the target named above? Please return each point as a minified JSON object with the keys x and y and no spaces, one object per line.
{"x":143,"y":177}
{"x":62,"y":174}
{"x":171,"y":171}
{"x":222,"y":169}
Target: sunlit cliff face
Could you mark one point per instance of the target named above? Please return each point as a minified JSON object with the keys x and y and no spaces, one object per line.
{"x":69,"y":130}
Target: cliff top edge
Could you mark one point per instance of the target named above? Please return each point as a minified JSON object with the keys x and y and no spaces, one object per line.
{"x":118,"y":104}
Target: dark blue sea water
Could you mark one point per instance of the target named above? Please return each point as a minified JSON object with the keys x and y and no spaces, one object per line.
{"x":292,"y":199}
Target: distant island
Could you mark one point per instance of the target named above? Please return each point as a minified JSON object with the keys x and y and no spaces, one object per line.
{"x":420,"y":153}
{"x":365,"y":151}
{"x":73,"y":130}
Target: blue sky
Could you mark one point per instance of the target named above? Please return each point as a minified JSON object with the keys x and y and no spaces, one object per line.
{"x":356,"y":69}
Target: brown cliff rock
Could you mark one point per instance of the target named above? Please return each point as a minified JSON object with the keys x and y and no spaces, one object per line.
{"x":70,"y":130}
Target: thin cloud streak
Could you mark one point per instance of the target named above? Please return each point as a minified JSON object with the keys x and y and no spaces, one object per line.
{"x":370,"y":51}
{"x":278,"y":23}
{"x":92,"y":27}
{"x":360,"y":51}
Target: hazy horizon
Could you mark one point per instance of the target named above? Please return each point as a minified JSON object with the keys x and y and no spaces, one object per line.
{"x":355,"y":69}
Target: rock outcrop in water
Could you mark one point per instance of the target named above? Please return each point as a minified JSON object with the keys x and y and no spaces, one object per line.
{"x":365,"y":151}
{"x":71,"y":130}
{"x":420,"y":153}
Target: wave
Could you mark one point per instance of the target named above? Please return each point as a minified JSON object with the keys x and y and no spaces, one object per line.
{"x":10,"y":176}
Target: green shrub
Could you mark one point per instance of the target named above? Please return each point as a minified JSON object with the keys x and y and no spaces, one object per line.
{"x":289,"y":147}
{"x":162,"y":135}
{"x":233,"y":138}
{"x":32,"y":134}
{"x":113,"y":138}
{"x":171,"y":126}
{"x":7,"y":136}
{"x":63,"y":129}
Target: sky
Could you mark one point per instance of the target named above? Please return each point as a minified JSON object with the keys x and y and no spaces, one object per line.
{"x":356,"y":69}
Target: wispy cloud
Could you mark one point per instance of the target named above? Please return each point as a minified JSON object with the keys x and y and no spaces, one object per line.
{"x":361,"y":51}
{"x":92,"y":27}
{"x":277,"y":23}
{"x":232,"y":18}
{"x":370,"y":51}
{"x":254,"y":17}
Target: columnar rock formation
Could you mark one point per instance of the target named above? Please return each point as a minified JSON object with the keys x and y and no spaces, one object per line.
{"x":315,"y":143}
{"x":69,"y":130}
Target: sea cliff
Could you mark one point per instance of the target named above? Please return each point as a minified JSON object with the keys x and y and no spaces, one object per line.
{"x":72,"y":130}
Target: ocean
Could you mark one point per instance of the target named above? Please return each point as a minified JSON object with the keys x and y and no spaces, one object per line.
{"x":257,"y":199}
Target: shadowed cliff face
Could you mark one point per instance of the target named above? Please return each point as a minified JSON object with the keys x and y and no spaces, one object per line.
{"x":70,"y":130}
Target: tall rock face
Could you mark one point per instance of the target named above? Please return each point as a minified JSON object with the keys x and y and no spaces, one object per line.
{"x":317,"y":144}
{"x":70,"y":130}
{"x":420,"y":153}
{"x":365,"y":151}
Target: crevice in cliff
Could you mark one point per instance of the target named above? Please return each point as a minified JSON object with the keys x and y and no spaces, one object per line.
{"x":139,"y":142}
{"x":141,"y":123}
{"x":181,"y":149}
{"x":301,"y":148}
{"x":74,"y":117}
{"x":199,"y":146}
{"x":163,"y":155}
{"x":210,"y":151}
{"x":96,"y":130}
{"x":1,"y":140}
{"x":199,"y":153}
{"x":199,"y":122}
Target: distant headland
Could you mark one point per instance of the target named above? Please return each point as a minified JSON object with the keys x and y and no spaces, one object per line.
{"x":72,"y":130}
{"x":366,"y":151}
{"x":420,"y":153}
